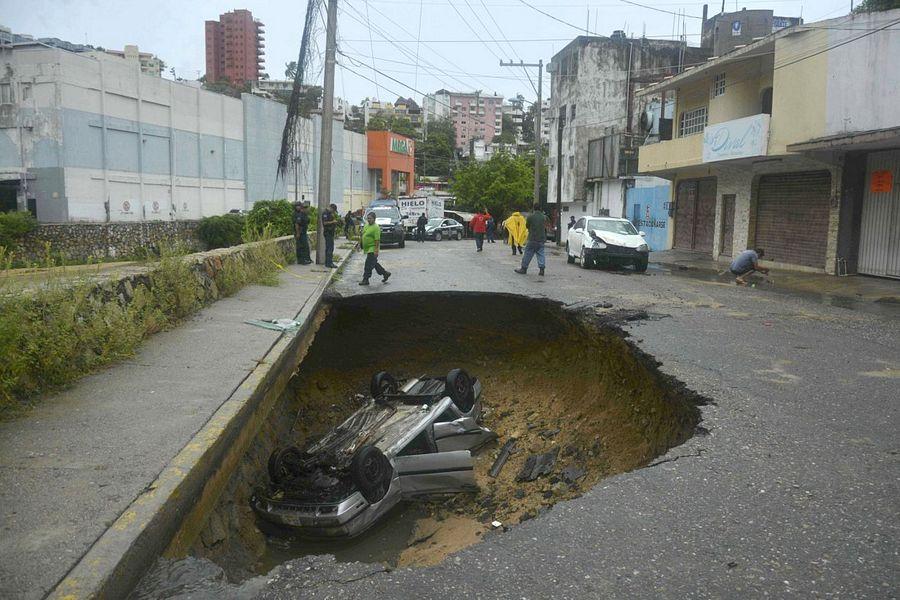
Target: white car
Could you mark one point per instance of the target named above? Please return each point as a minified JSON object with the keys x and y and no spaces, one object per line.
{"x":606,"y":240}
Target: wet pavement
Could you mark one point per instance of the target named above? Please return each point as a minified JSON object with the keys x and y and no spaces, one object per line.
{"x":793,"y":491}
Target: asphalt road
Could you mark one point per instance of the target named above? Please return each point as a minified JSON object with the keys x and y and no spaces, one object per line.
{"x":793,"y":492}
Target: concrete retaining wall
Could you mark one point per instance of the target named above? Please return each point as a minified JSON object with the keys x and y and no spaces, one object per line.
{"x":79,"y":242}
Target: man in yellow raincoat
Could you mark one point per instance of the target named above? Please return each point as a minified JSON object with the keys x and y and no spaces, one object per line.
{"x":518,"y":233}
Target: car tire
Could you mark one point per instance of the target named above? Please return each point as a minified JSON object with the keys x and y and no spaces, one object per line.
{"x":372,"y":473}
{"x":640,"y":265}
{"x":460,"y":389}
{"x":455,"y":236}
{"x":437,"y":236}
{"x":569,"y":258}
{"x":383,"y":383}
{"x":586,"y":263}
{"x":280,"y":460}
{"x":402,"y":243}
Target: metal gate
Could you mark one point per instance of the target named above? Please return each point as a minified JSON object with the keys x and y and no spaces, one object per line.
{"x":792,"y":217}
{"x":879,"y":236}
{"x":695,"y":214}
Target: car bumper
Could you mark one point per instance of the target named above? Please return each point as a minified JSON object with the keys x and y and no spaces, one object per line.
{"x":617,"y":254}
{"x":390,"y":236}
{"x":348,"y":518}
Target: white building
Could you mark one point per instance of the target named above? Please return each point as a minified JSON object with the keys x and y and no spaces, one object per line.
{"x":149,"y":63}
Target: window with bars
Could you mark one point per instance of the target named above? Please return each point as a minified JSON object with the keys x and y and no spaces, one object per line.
{"x":719,"y":85}
{"x":6,"y":94}
{"x":692,"y":122}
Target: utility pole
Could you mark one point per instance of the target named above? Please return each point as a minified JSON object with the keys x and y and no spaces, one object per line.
{"x":537,"y":125}
{"x":324,"y":196}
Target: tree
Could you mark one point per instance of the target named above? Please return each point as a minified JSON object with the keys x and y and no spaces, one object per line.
{"x":399,"y":125}
{"x":502,"y":184}
{"x":290,"y":69}
{"x":507,"y":131}
{"x":225,"y":86}
{"x":876,"y":5}
{"x":435,"y":153}
{"x":528,"y":125}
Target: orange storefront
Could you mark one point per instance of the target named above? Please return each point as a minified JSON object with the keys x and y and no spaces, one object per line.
{"x":392,"y":157}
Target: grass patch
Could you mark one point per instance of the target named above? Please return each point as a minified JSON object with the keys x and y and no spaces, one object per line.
{"x":53,"y":334}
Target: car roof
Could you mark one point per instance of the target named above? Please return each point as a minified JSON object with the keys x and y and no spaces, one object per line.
{"x":606,"y":218}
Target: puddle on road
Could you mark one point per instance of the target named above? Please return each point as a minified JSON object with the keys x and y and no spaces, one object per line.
{"x":554,"y":379}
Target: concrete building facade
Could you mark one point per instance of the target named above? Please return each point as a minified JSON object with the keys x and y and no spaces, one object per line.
{"x":594,"y":121}
{"x":235,"y":47}
{"x":790,"y":144}
{"x":149,"y":63}
{"x":725,"y":31}
{"x":96,"y":140}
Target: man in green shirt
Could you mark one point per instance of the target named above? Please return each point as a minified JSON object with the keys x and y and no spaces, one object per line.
{"x":537,"y":235}
{"x":371,"y":242}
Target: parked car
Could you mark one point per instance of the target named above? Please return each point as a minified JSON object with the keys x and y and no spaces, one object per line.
{"x":438,"y":229}
{"x":389,"y":219}
{"x":405,"y":442}
{"x":607,"y":241}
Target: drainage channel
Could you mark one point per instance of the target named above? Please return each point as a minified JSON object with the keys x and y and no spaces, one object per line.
{"x":562,"y":383}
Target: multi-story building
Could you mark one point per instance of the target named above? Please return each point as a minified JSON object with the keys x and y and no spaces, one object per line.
{"x":515,"y":110}
{"x":475,"y":115}
{"x":437,"y":105}
{"x":235,"y":47}
{"x":595,"y":122}
{"x":726,"y":31}
{"x":149,"y":63}
{"x":791,"y":144}
{"x":97,"y":140}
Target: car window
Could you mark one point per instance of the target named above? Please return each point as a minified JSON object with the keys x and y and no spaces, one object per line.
{"x":621,"y":227}
{"x":446,"y":417}
{"x":579,"y":224}
{"x":434,"y":222}
{"x":447,"y":223}
{"x":386,"y":212}
{"x":421,"y":444}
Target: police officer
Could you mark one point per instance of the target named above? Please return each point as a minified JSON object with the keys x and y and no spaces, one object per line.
{"x":329,"y":225}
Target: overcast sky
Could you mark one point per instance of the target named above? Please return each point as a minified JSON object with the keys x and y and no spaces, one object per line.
{"x":456,"y":48}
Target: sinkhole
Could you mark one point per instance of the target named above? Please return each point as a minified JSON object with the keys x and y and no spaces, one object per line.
{"x":558,"y":380}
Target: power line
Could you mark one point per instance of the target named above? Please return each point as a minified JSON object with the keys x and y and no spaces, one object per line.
{"x":669,"y":12}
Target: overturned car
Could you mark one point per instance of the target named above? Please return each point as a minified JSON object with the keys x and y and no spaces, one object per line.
{"x":408,"y":440}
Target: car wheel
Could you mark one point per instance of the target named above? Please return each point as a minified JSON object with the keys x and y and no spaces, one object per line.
{"x":372,"y":473}
{"x":437,"y":236}
{"x":569,"y":258}
{"x":383,"y":383}
{"x":455,"y":236}
{"x":459,"y":388}
{"x":640,"y":265}
{"x":586,"y":263}
{"x":280,"y":462}
{"x":403,"y":243}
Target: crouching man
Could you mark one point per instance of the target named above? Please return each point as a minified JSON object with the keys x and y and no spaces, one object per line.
{"x":746,"y":263}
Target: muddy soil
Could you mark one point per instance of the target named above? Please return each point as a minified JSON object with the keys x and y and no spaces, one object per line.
{"x":555,"y":380}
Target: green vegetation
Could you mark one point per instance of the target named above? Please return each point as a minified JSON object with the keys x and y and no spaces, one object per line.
{"x":503,"y":184}
{"x":393,"y":123}
{"x":53,"y":334}
{"x":221,"y":231}
{"x":276,"y":215}
{"x":435,"y":154}
{"x":14,"y":226}
{"x":507,"y":131}
{"x":876,"y":5}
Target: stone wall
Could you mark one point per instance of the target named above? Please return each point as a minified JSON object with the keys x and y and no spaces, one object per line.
{"x":78,"y":242}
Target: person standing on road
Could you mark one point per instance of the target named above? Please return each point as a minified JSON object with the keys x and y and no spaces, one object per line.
{"x":518,"y":233}
{"x":420,"y":227}
{"x":746,"y":263}
{"x":490,"y":226}
{"x":571,"y":222}
{"x":479,"y":226}
{"x":537,"y":235}
{"x":329,"y":225}
{"x":371,"y":243}
{"x":301,"y":233}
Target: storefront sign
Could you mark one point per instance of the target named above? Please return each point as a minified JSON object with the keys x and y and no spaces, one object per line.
{"x":740,"y":138}
{"x":401,"y":146}
{"x":882,"y":182}
{"x":736,"y":29}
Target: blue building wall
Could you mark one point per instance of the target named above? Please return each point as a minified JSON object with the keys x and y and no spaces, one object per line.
{"x":647,"y":209}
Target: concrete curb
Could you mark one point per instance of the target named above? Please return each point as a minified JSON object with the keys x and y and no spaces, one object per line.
{"x":168,"y":515}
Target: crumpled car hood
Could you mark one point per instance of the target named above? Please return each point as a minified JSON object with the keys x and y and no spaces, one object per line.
{"x":618,"y":239}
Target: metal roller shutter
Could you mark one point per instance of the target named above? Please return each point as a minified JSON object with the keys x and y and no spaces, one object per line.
{"x":879,"y":241}
{"x":792,"y":217}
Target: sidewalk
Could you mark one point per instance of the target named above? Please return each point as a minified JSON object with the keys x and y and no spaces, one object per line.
{"x":72,"y":465}
{"x":838,"y":291}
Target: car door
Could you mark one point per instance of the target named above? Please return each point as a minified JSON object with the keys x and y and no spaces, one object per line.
{"x":435,"y":473}
{"x":576,"y":236}
{"x":463,"y":433}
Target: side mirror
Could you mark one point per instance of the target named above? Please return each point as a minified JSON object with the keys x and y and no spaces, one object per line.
{"x":642,"y":234}
{"x":404,"y":216}
{"x":576,"y":230}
